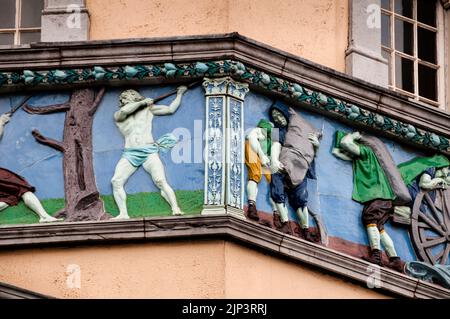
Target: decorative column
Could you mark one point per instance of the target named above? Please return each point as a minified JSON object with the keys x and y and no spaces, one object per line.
{"x":224,"y":156}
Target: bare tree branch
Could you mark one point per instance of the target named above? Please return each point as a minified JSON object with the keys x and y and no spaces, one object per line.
{"x":48,"y":141}
{"x":97,"y":101}
{"x":47,"y":109}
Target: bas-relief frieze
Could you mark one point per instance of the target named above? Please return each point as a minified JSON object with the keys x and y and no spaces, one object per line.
{"x":273,"y":162}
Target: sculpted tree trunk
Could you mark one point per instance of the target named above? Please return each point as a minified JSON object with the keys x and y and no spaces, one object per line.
{"x":82,"y":199}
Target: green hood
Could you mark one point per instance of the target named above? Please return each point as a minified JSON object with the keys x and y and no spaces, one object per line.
{"x":338,"y":138}
{"x":267,"y":127}
{"x":413,"y":168}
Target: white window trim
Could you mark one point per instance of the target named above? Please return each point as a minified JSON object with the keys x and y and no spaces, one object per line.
{"x":17,"y":29}
{"x":440,"y":56}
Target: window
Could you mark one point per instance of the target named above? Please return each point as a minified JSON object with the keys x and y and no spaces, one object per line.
{"x":20,"y":21}
{"x":411,"y":42}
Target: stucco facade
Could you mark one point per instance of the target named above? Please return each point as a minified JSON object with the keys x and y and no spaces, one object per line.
{"x":214,"y":252}
{"x":314,"y":30}
{"x":182,"y":269}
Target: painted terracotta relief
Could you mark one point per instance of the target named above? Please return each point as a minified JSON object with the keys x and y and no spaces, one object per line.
{"x":134,"y":120}
{"x":283,"y":150}
{"x":235,"y":141}
{"x":14,"y":188}
{"x":98,"y":154}
{"x":378,"y":186}
{"x":360,"y":190}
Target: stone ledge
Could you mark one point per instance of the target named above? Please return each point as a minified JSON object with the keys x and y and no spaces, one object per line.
{"x":13,"y":292}
{"x":223,"y":226}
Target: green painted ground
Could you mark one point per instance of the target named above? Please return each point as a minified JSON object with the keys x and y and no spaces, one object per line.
{"x":139,"y":205}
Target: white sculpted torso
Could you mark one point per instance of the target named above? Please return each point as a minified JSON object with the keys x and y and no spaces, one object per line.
{"x":137,"y":128}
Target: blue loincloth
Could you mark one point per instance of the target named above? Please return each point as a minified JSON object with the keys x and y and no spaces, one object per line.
{"x":138,"y":155}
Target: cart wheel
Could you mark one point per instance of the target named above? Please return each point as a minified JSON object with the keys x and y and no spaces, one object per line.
{"x":430,"y":226}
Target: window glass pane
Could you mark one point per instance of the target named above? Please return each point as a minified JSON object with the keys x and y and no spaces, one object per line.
{"x":426,"y":42}
{"x":7,"y":14}
{"x":29,"y":37}
{"x":404,"y":40}
{"x":404,"y":7}
{"x":386,"y":30}
{"x":427,"y":82}
{"x":426,"y":12}
{"x":31,"y":13}
{"x":385,"y":4}
{"x":404,"y":74}
{"x":6,"y":38}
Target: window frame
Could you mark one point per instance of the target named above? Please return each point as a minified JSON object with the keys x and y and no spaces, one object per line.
{"x":439,"y":66}
{"x":17,"y":30}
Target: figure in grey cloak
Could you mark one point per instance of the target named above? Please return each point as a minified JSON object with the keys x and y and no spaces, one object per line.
{"x":294,"y":148}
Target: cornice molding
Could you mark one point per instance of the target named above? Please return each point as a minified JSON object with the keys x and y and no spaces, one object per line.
{"x":168,"y":60}
{"x":213,"y":227}
{"x":13,"y":292}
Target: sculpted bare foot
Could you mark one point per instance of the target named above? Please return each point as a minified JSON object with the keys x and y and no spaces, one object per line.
{"x":121,"y":217}
{"x":50,"y":219}
{"x":177,"y":212}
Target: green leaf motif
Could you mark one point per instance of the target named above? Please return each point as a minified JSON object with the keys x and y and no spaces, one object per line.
{"x":201,"y":68}
{"x":171,"y":73}
{"x":156,"y":71}
{"x":99,"y":72}
{"x":170,"y":67}
{"x":3,"y":79}
{"x":86,"y":75}
{"x":236,"y":69}
{"x":72,"y":76}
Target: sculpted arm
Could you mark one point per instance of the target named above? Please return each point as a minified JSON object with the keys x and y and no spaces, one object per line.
{"x":173,"y":107}
{"x":130,"y":108}
{"x":275,"y":155}
{"x":253,"y":138}
{"x":3,"y":120}
{"x":426,"y":182}
{"x":341,"y":155}
{"x":348,"y":143}
{"x":314,"y":139}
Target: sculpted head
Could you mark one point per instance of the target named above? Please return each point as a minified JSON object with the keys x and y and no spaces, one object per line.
{"x":443,"y":172}
{"x":279,"y":118}
{"x":129,"y":96}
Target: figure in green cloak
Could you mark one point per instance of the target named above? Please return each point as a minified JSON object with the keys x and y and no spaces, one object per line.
{"x":425,"y":173}
{"x":377,"y":184}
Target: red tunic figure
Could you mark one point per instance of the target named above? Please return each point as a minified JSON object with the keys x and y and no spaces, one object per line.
{"x":13,"y":187}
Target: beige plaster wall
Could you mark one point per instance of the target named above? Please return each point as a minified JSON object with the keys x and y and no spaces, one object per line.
{"x":249,"y":273}
{"x":188,"y":269}
{"x":313,"y":29}
{"x":156,"y":270}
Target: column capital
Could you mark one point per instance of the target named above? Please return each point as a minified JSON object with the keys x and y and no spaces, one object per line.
{"x":225,"y":86}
